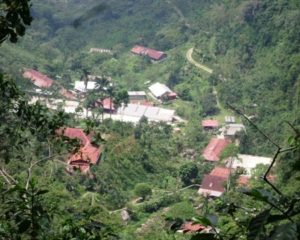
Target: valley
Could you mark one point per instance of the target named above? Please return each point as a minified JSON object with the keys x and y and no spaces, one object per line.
{"x":151,"y":120}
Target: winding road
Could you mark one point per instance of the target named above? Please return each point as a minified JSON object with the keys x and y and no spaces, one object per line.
{"x":204,"y":68}
{"x":198,"y":65}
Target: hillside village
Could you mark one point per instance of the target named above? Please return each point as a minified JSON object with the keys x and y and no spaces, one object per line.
{"x":144,"y":104}
{"x":149,"y":120}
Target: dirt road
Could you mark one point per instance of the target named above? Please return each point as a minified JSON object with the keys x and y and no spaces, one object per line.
{"x":198,"y":65}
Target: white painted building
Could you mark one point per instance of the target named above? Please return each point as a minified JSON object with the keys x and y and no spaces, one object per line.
{"x":159,"y":90}
{"x":80,"y":86}
{"x":231,"y":129}
{"x":67,"y":105}
{"x":248,"y":162}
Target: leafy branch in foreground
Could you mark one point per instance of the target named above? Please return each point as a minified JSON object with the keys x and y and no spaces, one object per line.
{"x":14,"y":15}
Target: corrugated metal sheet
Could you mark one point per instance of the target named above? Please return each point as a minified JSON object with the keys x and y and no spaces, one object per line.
{"x":159,"y":89}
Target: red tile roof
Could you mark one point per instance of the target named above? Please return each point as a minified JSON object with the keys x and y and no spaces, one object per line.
{"x":87,"y":154}
{"x":108,"y":104}
{"x":220,"y":172}
{"x":75,"y":133}
{"x":172,"y":95}
{"x":210,"y":123}
{"x":243,"y":180}
{"x":67,"y":94}
{"x":190,"y":227}
{"x":138,"y":50}
{"x":151,"y":53}
{"x":213,"y":150}
{"x":38,"y":78}
{"x":213,"y":183}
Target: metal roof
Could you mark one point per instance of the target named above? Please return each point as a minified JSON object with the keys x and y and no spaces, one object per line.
{"x":159,"y":89}
{"x":152,"y":113}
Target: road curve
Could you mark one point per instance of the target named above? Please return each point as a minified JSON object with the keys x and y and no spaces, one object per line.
{"x":198,"y":65}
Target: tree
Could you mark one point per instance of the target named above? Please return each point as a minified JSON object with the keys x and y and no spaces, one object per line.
{"x":143,"y":190}
{"x":231,"y":150}
{"x":14,"y":16}
{"x":188,"y":172}
{"x":25,"y":212}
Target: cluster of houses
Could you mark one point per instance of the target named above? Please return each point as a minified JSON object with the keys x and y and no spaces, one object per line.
{"x":139,"y":106}
{"x":215,"y":183}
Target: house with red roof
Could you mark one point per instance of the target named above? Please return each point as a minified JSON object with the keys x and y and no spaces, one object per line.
{"x":221,"y":172}
{"x":87,"y":155}
{"x":243,"y":180}
{"x":107,"y":104}
{"x":67,"y":94}
{"x":37,"y":78}
{"x":214,"y":148}
{"x":148,"y":52}
{"x":213,"y":186}
{"x":210,"y":124}
{"x":190,"y":227}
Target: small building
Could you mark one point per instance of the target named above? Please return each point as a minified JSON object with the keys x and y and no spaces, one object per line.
{"x":135,"y":96}
{"x":86,"y":155}
{"x":67,"y":94}
{"x":247,"y":162}
{"x":214,"y":148}
{"x":38,"y":79}
{"x":80,"y":86}
{"x":190,"y":227}
{"x":212,"y":186}
{"x":230,"y":130}
{"x":99,"y":50}
{"x":148,"y":52}
{"x":75,"y":133}
{"x":229,"y":119}
{"x":161,"y":91}
{"x":108,"y":105}
{"x":210,"y":124}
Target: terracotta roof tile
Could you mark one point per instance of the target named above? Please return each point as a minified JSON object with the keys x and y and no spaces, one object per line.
{"x":149,"y":52}
{"x":213,"y":183}
{"x":73,"y":133}
{"x":210,"y":123}
{"x":213,"y":150}
{"x":190,"y":227}
{"x":243,"y":180}
{"x":220,"y":172}
{"x":87,"y":154}
{"x":37,"y":78}
{"x":108,"y":104}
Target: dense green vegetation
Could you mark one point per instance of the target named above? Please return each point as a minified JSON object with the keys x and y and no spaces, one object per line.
{"x":253,"y":48}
